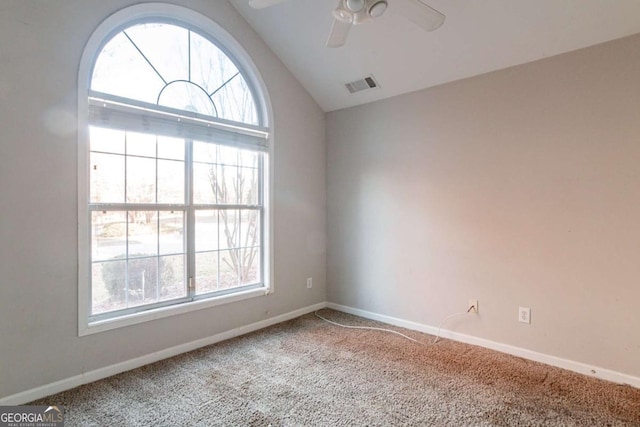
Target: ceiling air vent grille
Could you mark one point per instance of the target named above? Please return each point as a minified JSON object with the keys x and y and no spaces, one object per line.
{"x":362,"y":84}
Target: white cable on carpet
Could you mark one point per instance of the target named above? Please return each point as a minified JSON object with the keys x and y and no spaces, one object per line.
{"x":370,"y":328}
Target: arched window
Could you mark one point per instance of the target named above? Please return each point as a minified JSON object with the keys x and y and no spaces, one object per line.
{"x":173,"y":211}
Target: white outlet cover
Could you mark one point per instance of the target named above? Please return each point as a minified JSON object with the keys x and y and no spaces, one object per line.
{"x":524,"y":315}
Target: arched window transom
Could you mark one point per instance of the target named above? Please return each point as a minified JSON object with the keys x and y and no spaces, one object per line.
{"x":173,"y":66}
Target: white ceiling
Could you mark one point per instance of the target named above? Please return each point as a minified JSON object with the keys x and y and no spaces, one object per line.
{"x":478,"y":36}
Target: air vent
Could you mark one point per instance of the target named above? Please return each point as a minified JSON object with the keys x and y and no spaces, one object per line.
{"x":362,"y":84}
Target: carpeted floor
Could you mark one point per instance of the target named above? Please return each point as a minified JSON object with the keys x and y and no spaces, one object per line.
{"x":307,"y":372}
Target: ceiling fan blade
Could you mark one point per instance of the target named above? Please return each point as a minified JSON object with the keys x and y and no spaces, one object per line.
{"x":419,"y":13}
{"x":261,"y":4}
{"x":339,"y":33}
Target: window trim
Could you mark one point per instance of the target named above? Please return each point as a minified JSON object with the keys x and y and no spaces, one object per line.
{"x":223,"y":40}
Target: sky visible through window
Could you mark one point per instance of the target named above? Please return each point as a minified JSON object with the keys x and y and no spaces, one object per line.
{"x":175,"y":67}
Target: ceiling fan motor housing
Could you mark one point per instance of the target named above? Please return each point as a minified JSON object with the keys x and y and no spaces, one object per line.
{"x":359,"y":11}
{"x":354,"y":6}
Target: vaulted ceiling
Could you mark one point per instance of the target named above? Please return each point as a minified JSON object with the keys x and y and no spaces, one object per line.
{"x":478,"y":36}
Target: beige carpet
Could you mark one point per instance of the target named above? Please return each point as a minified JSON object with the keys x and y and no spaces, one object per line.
{"x":307,"y":372}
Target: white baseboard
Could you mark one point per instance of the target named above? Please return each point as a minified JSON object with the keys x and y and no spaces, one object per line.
{"x":98,"y":374}
{"x":581,"y":368}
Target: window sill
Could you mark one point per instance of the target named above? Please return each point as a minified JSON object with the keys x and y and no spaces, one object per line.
{"x":172,"y":310}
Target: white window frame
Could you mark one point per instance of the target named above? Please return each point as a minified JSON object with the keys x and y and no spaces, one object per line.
{"x":181,"y":16}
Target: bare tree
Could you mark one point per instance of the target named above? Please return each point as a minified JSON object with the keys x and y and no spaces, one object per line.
{"x":243,"y":257}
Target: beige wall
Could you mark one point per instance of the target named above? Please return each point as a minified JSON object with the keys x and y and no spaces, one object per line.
{"x":519,"y":187}
{"x":42,"y":42}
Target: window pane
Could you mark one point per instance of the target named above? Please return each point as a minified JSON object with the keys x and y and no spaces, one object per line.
{"x":106,"y":140}
{"x":171,"y":233}
{"x":173,"y":282}
{"x":108,"y":235}
{"x":166,"y":48}
{"x":206,"y":230}
{"x":170,"y":148}
{"x":210,"y":67}
{"x":143,"y":233}
{"x":108,"y":286}
{"x":229,"y":229}
{"x":206,"y":272}
{"x":141,"y":144}
{"x":121,"y":70}
{"x":249,"y":228}
{"x":248,"y":186}
{"x":226,"y":182}
{"x":249,"y":266}
{"x":205,"y":152}
{"x":107,"y":178}
{"x":170,"y":181}
{"x":187,"y":97}
{"x":142,"y":281}
{"x":229,"y":262}
{"x":141,"y":180}
{"x":204,"y":183}
{"x":248,"y":158}
{"x":235,"y":102}
{"x":228,"y":155}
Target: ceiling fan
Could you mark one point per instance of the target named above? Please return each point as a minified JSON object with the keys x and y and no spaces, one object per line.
{"x":355,"y":12}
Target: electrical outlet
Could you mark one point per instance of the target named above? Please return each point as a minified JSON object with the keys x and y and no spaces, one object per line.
{"x":473,"y":303}
{"x":524,"y":315}
{"x":309,"y":282}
